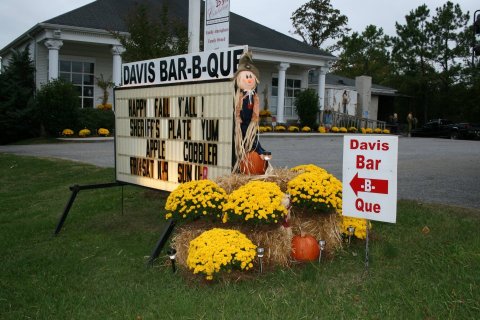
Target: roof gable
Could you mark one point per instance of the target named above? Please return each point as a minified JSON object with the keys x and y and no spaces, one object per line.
{"x":110,"y":15}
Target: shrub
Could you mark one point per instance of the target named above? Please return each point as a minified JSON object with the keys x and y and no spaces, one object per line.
{"x":306,"y":106}
{"x":58,"y":105}
{"x":96,"y":119}
{"x":17,"y":109}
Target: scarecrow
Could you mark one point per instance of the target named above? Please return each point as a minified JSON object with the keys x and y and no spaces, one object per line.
{"x":248,"y":151}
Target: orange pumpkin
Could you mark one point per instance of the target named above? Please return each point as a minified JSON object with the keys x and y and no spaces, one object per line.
{"x":254,"y":164}
{"x":305,"y":248}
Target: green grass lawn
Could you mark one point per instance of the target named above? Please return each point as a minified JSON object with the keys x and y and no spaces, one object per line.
{"x":96,"y":267}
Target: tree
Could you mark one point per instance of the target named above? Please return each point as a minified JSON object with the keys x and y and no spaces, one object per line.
{"x":151,"y":37}
{"x":449,"y":44}
{"x":365,"y":54}
{"x":317,"y":21}
{"x":104,"y":84}
{"x":414,"y":72}
{"x":17,"y":87}
{"x":428,"y":54}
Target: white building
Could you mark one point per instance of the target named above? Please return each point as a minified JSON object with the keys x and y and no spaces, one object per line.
{"x":78,"y":46}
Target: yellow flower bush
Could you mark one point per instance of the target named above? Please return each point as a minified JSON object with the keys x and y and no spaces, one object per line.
{"x":328,"y":195}
{"x":306,"y":129}
{"x":293,"y":129}
{"x":256,"y":201}
{"x":103,"y":132}
{"x":362,"y":130}
{"x":308,"y":168}
{"x":377,"y":130}
{"x":84,"y":133}
{"x":322,"y":129}
{"x":220,"y":249}
{"x":335,"y":129}
{"x":315,"y":188}
{"x":360,"y":226}
{"x":368,"y":130}
{"x":106,"y":106}
{"x":343,"y":130}
{"x":67,"y":132}
{"x":280,"y":128}
{"x":194,"y":199}
{"x":352,"y":130}
{"x":386,"y":131}
{"x":265,"y":113}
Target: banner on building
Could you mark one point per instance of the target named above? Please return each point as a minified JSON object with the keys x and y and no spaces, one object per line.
{"x":217,"y":24}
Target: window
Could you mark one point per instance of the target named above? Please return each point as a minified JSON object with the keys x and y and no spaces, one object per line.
{"x":81,"y":75}
{"x":292,"y":88}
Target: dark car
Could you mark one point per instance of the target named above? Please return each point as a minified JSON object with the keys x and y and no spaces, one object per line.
{"x":447,"y":129}
{"x":433,"y":128}
{"x":465,"y":131}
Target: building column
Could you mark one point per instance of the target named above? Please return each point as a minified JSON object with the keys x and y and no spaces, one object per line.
{"x":282,"y":68}
{"x":363,"y":84}
{"x":53,"y":46}
{"x":194,"y":25}
{"x":117,"y":51}
{"x":322,"y":71}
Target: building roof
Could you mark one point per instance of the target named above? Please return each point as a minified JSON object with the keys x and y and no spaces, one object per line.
{"x":336,"y":80}
{"x":110,"y":15}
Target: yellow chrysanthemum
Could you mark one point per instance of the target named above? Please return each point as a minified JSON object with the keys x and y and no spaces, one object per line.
{"x":220,"y":249}
{"x":258,"y":201}
{"x":194,"y":199}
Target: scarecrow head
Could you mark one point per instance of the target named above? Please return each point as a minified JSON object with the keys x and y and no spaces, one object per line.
{"x":246,"y":77}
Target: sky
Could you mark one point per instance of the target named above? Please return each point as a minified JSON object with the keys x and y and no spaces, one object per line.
{"x":18,"y":16}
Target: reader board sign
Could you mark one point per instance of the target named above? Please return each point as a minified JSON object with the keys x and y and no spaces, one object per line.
{"x":217,"y":24}
{"x":167,"y":135}
{"x":370,"y":177}
{"x":193,"y":67}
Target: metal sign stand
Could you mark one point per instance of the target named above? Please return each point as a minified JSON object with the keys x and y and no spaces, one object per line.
{"x":366,"y":248}
{"x":75,"y":190}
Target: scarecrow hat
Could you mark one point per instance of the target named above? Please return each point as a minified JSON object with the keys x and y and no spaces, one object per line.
{"x":246,"y":64}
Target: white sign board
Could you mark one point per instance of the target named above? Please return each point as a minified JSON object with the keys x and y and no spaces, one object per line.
{"x":217,"y":24}
{"x":193,"y":67}
{"x":166,"y":135}
{"x":370,"y":177}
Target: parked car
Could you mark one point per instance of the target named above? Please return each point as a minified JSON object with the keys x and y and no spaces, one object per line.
{"x":465,"y":131}
{"x":447,"y":129}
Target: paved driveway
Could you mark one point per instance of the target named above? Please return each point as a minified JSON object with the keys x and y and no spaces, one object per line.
{"x":429,"y":169}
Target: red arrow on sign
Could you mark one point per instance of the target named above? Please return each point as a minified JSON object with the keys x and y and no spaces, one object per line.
{"x":369,"y":185}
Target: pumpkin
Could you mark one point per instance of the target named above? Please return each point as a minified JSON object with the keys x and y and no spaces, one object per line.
{"x":305,"y":248}
{"x":253,"y":164}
